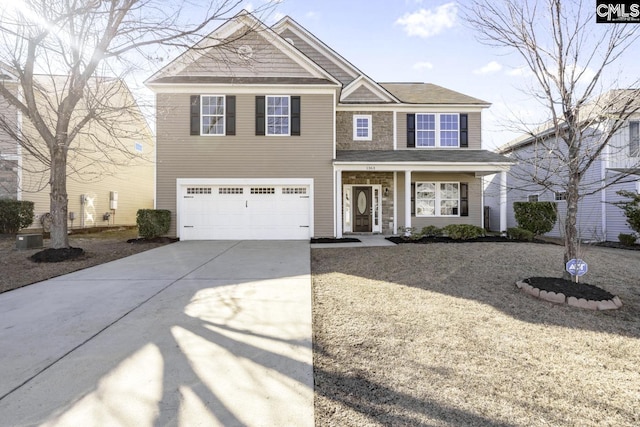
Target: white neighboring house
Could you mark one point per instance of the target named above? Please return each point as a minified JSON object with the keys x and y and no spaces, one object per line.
{"x":599,"y":218}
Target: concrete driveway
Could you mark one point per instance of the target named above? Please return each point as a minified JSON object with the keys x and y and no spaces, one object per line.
{"x":193,"y":333}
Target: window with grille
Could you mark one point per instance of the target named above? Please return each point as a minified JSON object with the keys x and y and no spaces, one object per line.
{"x":294,"y":190}
{"x":263,"y":190}
{"x":199,"y":190}
{"x":230,"y":190}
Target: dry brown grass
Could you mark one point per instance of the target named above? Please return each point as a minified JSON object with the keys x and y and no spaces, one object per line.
{"x":17,"y":270}
{"x":439,"y":335}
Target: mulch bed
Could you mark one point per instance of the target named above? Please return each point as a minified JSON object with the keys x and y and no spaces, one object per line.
{"x":57,"y":255}
{"x":569,"y":288}
{"x":441,"y":239}
{"x":332,"y":240}
{"x":163,"y":240}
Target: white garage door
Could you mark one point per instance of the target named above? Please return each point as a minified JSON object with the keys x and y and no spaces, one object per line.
{"x":245,"y":212}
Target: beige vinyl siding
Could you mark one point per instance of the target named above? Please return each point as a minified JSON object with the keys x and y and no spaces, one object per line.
{"x":317,"y":57}
{"x":266,"y":60}
{"x":246,"y":155}
{"x":475,"y":199}
{"x":381,"y":131}
{"x":474,"y":122}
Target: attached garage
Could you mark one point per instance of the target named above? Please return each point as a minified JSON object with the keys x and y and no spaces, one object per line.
{"x":210,"y":209}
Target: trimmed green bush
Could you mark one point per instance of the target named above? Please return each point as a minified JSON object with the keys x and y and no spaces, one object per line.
{"x":631,"y":209}
{"x":537,"y":217}
{"x":627,"y":239}
{"x":15,"y":215}
{"x":431,"y":231}
{"x":516,"y":233}
{"x":153,"y":222}
{"x":463,"y":231}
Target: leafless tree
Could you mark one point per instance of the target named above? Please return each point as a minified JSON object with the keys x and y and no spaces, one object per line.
{"x":571,"y":60}
{"x":69,"y":57}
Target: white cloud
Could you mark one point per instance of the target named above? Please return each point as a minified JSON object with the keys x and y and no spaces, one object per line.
{"x":519,"y":71}
{"x":312,"y":15}
{"x":423,"y":66}
{"x":491,"y":67}
{"x":429,"y":22}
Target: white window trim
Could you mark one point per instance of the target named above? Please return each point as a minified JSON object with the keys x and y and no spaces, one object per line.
{"x":369,"y":136}
{"x":560,"y":193}
{"x":533,"y":195}
{"x":437,"y":130}
{"x":438,"y":199}
{"x":266,"y":115}
{"x":224,"y":115}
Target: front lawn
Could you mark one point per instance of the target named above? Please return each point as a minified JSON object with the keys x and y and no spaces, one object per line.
{"x":439,"y":335}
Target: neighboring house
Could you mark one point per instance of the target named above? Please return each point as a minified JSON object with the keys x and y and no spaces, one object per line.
{"x":109,"y":176}
{"x":273,"y":135}
{"x":616,"y":168}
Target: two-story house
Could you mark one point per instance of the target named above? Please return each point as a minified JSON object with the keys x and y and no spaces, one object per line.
{"x":267,"y":133}
{"x":110,"y":166}
{"x":539,"y":171}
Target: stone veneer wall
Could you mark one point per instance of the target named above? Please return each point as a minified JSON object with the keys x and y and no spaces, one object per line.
{"x":381,"y":131}
{"x":385,"y":179}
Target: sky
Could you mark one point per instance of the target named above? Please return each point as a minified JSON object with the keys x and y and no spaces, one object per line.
{"x":427,"y":41}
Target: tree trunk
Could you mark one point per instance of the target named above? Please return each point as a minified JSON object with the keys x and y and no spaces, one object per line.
{"x":58,"y":198}
{"x":570,"y":227}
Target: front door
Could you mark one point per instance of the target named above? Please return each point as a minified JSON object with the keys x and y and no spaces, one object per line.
{"x":362,"y":211}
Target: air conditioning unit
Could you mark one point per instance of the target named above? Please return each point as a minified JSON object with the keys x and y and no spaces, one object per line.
{"x":28,"y":241}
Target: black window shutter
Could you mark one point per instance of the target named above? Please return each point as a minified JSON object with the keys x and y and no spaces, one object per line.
{"x":260,"y":110}
{"x":295,"y":115}
{"x":464,"y":130}
{"x":195,"y":114}
{"x":464,"y":199}
{"x":411,"y":130}
{"x":230,"y":115}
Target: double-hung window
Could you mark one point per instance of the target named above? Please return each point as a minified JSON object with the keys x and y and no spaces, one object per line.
{"x":634,"y":139}
{"x":437,"y":199}
{"x":212,"y":117}
{"x":277,"y":115}
{"x":361,"y":127}
{"x":446,"y":130}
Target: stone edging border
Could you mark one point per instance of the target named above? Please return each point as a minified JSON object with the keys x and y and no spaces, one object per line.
{"x":610,"y":304}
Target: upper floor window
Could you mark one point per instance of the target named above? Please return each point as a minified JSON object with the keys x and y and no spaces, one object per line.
{"x":634,"y":139}
{"x":361,"y":127}
{"x":437,"y":130}
{"x":212,"y":116}
{"x":277,"y":115}
{"x":560,"y":195}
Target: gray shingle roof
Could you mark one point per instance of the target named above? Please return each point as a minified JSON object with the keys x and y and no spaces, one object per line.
{"x":428,"y":93}
{"x":461,"y":155}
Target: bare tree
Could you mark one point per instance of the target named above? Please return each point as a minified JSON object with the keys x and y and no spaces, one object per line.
{"x":571,"y":59}
{"x":69,"y":57}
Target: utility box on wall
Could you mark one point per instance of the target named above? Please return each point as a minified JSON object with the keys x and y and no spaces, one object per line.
{"x":28,"y":241}
{"x":113,"y":200}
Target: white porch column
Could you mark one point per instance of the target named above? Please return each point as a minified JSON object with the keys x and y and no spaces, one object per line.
{"x":338,"y":197}
{"x":407,"y":199}
{"x":503,"y":201}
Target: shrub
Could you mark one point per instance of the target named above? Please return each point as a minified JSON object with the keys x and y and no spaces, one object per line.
{"x":631,"y":209}
{"x":431,"y":231}
{"x":463,"y":231}
{"x":537,"y":217}
{"x":516,"y":233}
{"x":153,"y":222}
{"x":627,"y":239}
{"x":15,"y":215}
